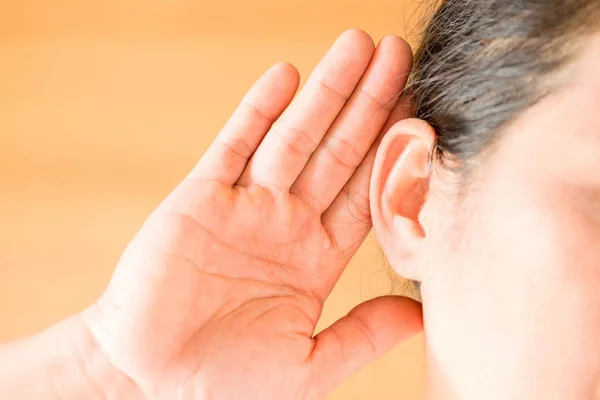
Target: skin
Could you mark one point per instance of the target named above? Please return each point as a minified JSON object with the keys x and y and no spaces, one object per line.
{"x":509,"y":260}
{"x":219,"y":293}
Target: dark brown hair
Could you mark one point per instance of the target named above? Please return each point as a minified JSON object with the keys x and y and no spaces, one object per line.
{"x":481,"y":63}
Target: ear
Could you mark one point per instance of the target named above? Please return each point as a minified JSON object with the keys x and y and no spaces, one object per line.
{"x":399,"y":189}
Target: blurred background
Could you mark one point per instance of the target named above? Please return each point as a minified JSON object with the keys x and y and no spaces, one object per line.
{"x":106,"y":105}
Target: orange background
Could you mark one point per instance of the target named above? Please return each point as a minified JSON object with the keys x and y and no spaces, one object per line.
{"x":105,"y":105}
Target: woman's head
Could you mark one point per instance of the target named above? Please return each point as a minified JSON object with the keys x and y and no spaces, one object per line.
{"x":484,"y":62}
{"x":503,"y":227}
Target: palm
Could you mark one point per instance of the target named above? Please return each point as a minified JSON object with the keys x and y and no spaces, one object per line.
{"x":219,"y":294}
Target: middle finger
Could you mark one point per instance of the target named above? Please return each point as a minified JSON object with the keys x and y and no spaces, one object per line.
{"x":293,"y":138}
{"x":351,"y":136}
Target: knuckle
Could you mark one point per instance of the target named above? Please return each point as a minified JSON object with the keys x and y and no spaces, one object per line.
{"x":343,"y":152}
{"x":257,"y":112}
{"x":298,"y":140}
{"x":365,"y":331}
{"x":237,"y":146}
{"x":330,"y":89}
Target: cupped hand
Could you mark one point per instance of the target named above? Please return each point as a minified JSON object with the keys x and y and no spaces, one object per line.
{"x":218,"y":295}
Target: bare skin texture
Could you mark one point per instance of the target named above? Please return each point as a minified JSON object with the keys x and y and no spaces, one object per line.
{"x":508,"y":259}
{"x":218,"y":295}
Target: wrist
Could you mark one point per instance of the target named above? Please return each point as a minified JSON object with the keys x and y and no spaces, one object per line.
{"x":62,"y":363}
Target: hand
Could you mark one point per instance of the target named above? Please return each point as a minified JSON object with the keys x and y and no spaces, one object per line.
{"x":219,"y":293}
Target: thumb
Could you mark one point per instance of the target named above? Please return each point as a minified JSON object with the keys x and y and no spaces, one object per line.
{"x":365,"y":334}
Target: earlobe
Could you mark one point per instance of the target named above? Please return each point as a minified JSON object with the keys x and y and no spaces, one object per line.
{"x":399,"y":189}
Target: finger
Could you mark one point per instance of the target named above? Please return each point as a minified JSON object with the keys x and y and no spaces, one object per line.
{"x":356,"y":128}
{"x":227,"y":157}
{"x":348,"y":219}
{"x":294,"y":137}
{"x":365,"y":334}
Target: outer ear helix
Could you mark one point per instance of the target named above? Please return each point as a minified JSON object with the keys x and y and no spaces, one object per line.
{"x":400,"y":189}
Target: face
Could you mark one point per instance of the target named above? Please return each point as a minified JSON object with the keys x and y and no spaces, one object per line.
{"x":509,"y":259}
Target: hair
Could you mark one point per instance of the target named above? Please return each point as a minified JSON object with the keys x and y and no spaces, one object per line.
{"x":482,"y":63}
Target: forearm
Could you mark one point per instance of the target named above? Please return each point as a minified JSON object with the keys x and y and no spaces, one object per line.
{"x":61,"y":363}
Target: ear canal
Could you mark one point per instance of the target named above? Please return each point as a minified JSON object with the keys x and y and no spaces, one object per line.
{"x":410,"y":207}
{"x":407,"y":186}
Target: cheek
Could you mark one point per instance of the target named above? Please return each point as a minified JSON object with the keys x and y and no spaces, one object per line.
{"x":542,"y":236}
{"x":524,"y":282}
